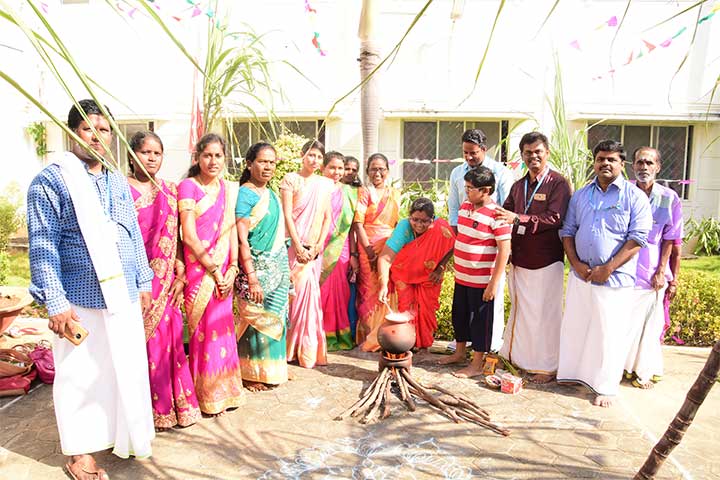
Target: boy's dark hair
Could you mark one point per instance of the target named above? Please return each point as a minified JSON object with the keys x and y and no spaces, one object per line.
{"x":481,"y":177}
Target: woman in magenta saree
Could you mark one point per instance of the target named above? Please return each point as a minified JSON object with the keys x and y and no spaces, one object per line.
{"x":207,"y":212}
{"x":340,"y":251}
{"x":171,"y":386}
{"x":305,"y":199}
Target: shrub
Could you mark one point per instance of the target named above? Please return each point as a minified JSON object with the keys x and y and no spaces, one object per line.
{"x":444,"y":313}
{"x":695,"y":312}
{"x":707,"y":233}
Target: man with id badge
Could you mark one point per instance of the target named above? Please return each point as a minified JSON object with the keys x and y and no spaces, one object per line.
{"x":536,"y":208}
{"x":606,"y":224}
{"x":88,"y":266}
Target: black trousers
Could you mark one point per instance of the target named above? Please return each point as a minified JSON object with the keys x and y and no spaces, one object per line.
{"x":472,"y":317}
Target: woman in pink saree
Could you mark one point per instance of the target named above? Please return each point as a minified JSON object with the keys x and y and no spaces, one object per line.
{"x":378,"y":211}
{"x":207,"y":215}
{"x":340,"y":258}
{"x":305,"y":201}
{"x":171,"y":386}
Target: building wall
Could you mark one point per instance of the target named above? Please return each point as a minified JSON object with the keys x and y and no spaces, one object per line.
{"x":431,"y":77}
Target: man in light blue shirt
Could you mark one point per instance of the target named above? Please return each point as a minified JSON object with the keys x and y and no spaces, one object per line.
{"x":606,"y":225}
{"x":474,"y":144}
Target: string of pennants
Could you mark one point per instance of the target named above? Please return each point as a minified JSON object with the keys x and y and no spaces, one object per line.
{"x":197,"y":8}
{"x":645,"y":47}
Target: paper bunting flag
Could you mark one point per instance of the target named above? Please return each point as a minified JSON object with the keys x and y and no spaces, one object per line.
{"x":650,"y":46}
{"x":316,"y":35}
{"x":575,"y":44}
{"x":612,"y":22}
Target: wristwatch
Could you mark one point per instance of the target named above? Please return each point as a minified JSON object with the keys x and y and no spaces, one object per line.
{"x":517,"y":220}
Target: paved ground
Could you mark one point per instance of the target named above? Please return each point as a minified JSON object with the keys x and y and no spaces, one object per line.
{"x":290,"y":432}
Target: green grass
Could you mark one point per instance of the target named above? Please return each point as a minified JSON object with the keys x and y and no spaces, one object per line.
{"x":19,"y":269}
{"x":709,"y":265}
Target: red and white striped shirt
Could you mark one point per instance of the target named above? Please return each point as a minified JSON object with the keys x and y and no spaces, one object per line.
{"x":476,"y":244}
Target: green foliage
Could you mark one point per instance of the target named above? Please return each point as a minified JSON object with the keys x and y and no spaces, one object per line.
{"x":707,"y":232}
{"x":4,"y":267}
{"x":11,"y":217}
{"x":289,"y":149}
{"x":235,"y":75}
{"x":695,"y":312}
{"x":38,"y":133}
{"x":568,"y":151}
{"x":436,"y":190}
{"x":444,"y":313}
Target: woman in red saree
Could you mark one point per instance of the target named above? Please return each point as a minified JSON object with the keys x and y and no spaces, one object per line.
{"x":171,"y":386}
{"x":377,"y":213}
{"x":412,"y":264}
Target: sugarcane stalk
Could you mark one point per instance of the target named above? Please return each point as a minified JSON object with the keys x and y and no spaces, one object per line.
{"x":684,"y":418}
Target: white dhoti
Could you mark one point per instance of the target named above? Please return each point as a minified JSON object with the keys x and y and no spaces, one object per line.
{"x":645,"y":355}
{"x":101,"y":390}
{"x":532,"y":335}
{"x":595,"y":335}
{"x":498,"y":315}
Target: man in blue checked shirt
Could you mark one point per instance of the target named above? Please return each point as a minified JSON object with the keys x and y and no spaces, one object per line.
{"x":474,"y":145}
{"x":606,"y":224}
{"x":88,"y":265}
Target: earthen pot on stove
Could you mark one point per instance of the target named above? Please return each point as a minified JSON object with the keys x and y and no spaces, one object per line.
{"x":396,"y":334}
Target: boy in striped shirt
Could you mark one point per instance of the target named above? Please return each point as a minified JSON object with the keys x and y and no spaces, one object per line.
{"x":482,"y":248}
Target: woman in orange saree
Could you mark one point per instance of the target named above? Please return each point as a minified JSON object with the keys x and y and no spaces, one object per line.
{"x":418,"y":250}
{"x":207,"y":215}
{"x":377,"y":213}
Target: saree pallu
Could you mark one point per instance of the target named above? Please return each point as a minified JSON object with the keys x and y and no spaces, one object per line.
{"x":214,"y":362}
{"x":379,"y":217}
{"x":334,"y":284}
{"x":171,"y":386}
{"x":306,"y":337}
{"x":260,"y":328}
{"x":410,"y":275}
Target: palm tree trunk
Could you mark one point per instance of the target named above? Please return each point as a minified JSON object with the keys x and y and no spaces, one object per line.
{"x":369,"y":92}
{"x":675,"y":432}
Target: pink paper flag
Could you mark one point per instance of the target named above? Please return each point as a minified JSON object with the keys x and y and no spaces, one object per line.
{"x":44,"y":7}
{"x":649,"y":46}
{"x":132,"y":12}
{"x":630,"y":58}
{"x":575,"y":44}
{"x":196,"y":11}
{"x":612,"y":22}
{"x":666,"y":43}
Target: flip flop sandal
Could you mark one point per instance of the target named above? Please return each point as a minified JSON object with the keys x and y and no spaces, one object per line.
{"x":656,"y":378}
{"x":644,"y":386}
{"x":87,"y":467}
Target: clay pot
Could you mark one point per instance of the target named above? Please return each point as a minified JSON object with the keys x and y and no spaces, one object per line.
{"x":396,"y":337}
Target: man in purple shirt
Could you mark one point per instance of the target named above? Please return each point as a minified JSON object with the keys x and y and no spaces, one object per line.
{"x":606,"y":224}
{"x":653,"y":270}
{"x":536,"y":208}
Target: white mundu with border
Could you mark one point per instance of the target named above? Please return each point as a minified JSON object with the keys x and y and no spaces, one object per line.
{"x":101,"y":390}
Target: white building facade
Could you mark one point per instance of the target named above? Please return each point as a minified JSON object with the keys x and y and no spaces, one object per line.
{"x":621,"y":72}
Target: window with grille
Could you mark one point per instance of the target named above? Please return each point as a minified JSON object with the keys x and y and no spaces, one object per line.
{"x":246,"y":133}
{"x":431,"y":149}
{"x":673,"y":142}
